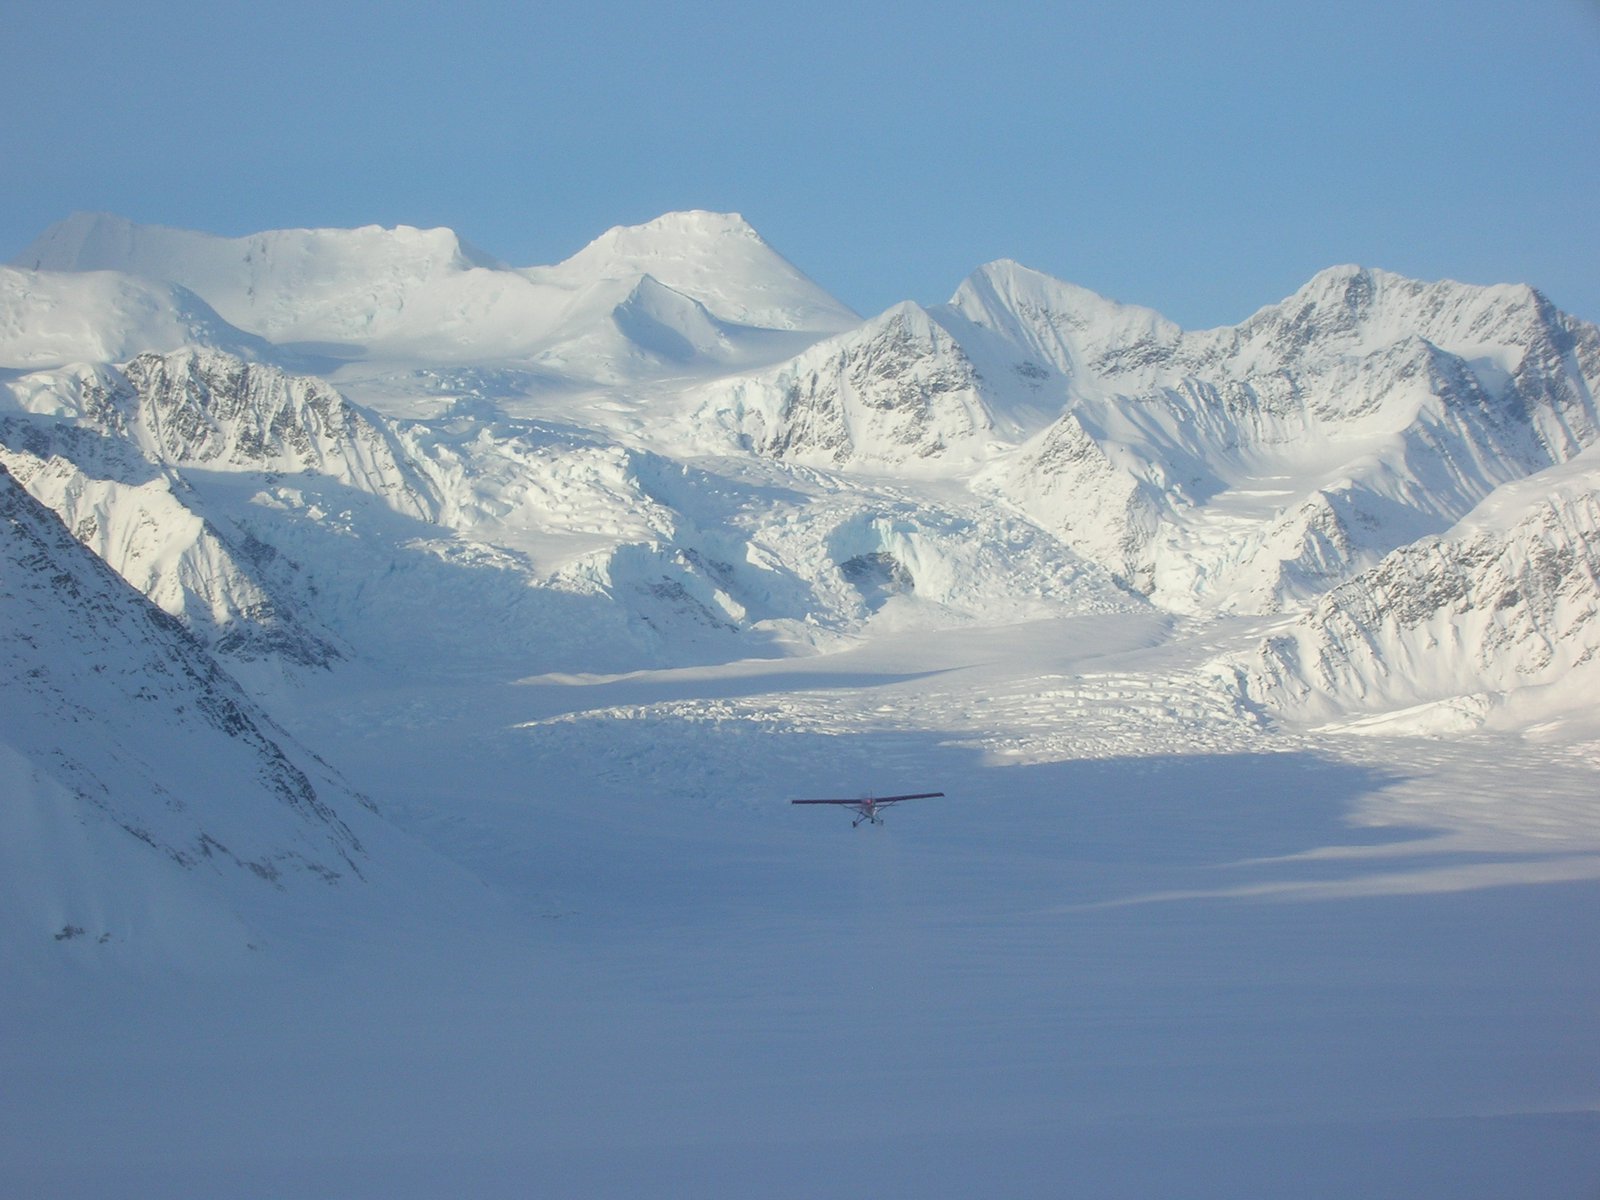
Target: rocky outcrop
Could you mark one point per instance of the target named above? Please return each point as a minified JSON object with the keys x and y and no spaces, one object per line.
{"x":1509,"y":599}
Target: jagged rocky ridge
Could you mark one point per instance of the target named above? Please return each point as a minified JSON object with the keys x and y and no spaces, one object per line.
{"x":1503,"y":607}
{"x":1243,"y":469}
{"x":139,"y":463}
{"x":260,"y":508}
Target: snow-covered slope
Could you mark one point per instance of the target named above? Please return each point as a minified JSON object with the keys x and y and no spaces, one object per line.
{"x":581,"y":572}
{"x":715,"y":259}
{"x":684,"y":287}
{"x":1501,"y":612}
{"x":148,"y":529}
{"x":51,"y":318}
{"x":935,"y":390}
{"x":280,"y":522}
{"x":347,"y":288}
{"x":142,"y":787}
{"x":897,"y":390}
{"x":1060,"y":326}
{"x":148,"y":466}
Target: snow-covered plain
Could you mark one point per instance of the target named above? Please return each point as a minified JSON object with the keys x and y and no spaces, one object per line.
{"x":580,"y":615}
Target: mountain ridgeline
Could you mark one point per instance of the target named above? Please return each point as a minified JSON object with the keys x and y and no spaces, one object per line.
{"x":327,"y":450}
{"x":1248,"y":470}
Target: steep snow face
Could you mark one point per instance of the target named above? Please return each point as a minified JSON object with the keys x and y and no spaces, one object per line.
{"x":147,"y":466}
{"x":669,"y":324}
{"x":1088,"y":493}
{"x":228,"y":592}
{"x":1502,"y":607}
{"x":1351,"y":311}
{"x":616,"y":330}
{"x":209,"y":411}
{"x":134,"y":769}
{"x":1083,"y":336}
{"x":895,"y":391}
{"x":1250,"y":469}
{"x":948,"y":387}
{"x":50,"y":319}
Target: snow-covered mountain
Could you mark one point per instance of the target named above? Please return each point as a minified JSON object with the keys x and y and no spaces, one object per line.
{"x":142,"y":786}
{"x":144,"y":464}
{"x":683,"y":288}
{"x":894,"y":391}
{"x":715,"y":259}
{"x":1246,"y":469}
{"x":673,"y":447}
{"x":258,"y":508}
{"x":1499,"y":615}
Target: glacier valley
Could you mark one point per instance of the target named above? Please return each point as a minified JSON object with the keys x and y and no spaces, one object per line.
{"x":410,"y":658}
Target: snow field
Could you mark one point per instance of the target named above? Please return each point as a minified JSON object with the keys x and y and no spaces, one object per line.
{"x":1200,"y":966}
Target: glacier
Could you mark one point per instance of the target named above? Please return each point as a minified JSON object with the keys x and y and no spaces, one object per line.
{"x":410,"y":655}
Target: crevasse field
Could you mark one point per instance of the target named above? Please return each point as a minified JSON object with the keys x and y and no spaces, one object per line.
{"x":1274,"y":875}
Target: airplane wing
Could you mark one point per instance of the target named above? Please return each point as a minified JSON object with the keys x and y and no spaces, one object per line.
{"x":878,"y":800}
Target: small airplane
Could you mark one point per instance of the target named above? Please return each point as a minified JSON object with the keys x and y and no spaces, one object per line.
{"x":867,"y":808}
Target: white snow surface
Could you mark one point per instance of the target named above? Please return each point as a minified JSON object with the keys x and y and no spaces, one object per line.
{"x":149,"y":803}
{"x":684,"y":286}
{"x":51,"y":319}
{"x":408,"y":669}
{"x":715,"y":258}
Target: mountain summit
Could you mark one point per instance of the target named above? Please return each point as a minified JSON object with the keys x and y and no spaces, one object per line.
{"x":423,"y":295}
{"x":717,"y":259}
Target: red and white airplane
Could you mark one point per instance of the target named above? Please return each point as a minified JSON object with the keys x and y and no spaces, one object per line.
{"x":867,"y":808}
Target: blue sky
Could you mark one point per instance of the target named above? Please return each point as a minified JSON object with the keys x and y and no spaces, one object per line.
{"x":1203,"y":159}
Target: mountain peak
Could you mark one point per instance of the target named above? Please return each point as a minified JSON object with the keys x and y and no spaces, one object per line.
{"x":690,"y":224}
{"x":1061,"y":323}
{"x":694,"y":235}
{"x":1357,"y":288}
{"x":1347,"y":286}
{"x":1008,"y":278}
{"x":1352,"y":309}
{"x":717,"y":259}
